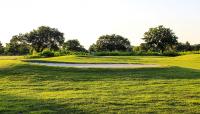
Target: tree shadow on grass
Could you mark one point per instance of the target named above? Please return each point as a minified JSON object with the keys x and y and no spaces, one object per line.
{"x":45,"y":73}
{"x":21,"y":105}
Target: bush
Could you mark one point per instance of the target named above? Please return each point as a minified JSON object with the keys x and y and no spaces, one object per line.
{"x":47,"y":53}
{"x":64,"y":52}
{"x":148,"y":53}
{"x":114,"y":53}
{"x":171,"y":53}
{"x":136,"y":53}
{"x":56,"y":54}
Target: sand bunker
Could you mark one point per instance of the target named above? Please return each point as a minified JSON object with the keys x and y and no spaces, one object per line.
{"x":97,"y":65}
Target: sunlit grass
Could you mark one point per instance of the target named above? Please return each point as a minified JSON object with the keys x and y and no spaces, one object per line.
{"x":8,"y":61}
{"x":11,"y":57}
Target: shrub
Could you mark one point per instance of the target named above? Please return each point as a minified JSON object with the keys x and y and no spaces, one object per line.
{"x":114,"y":53}
{"x":171,"y":53}
{"x":135,"y":53}
{"x":56,"y":54}
{"x":64,"y":52}
{"x":47,"y":53}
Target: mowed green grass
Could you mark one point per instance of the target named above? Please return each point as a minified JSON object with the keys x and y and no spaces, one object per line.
{"x":173,"y":88}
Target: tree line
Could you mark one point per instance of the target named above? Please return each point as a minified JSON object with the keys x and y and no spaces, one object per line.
{"x":158,"y":39}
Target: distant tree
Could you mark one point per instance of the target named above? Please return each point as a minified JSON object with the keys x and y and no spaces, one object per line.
{"x":93,"y":48}
{"x":181,"y":47}
{"x":17,"y":46}
{"x":136,"y":48}
{"x":188,"y":46}
{"x":1,"y":48}
{"x":144,"y":47}
{"x":113,"y":43}
{"x":160,"y":38}
{"x":184,"y":47}
{"x":45,"y":37}
{"x":196,"y":47}
{"x":74,"y":45}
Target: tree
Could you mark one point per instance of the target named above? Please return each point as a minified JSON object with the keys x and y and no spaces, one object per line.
{"x":1,"y":48}
{"x":144,"y":47}
{"x":196,"y":47}
{"x":188,"y":46}
{"x":45,"y":37}
{"x":17,"y":46}
{"x":160,"y":38}
{"x":184,"y":47}
{"x":74,"y":45}
{"x":180,"y":47}
{"x":113,"y":43}
{"x":93,"y":48}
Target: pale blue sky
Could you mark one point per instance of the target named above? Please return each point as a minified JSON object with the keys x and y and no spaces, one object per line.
{"x":86,"y":20}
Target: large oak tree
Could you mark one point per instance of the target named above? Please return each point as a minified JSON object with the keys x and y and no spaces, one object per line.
{"x":17,"y":46}
{"x":74,"y":45}
{"x":112,"y":43}
{"x":45,"y":37}
{"x":160,"y":38}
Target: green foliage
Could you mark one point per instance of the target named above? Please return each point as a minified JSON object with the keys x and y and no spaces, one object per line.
{"x":17,"y":46}
{"x":136,"y":53}
{"x":45,"y":37}
{"x":160,"y":39}
{"x":47,"y":53}
{"x":114,"y":53}
{"x":171,"y":53}
{"x":56,"y":54}
{"x":184,"y":47}
{"x":144,"y":47}
{"x":149,"y":53}
{"x":74,"y":53}
{"x":1,"y":48}
{"x":93,"y":48}
{"x":136,"y":48}
{"x":74,"y":46}
{"x":111,"y":43}
{"x":196,"y":47}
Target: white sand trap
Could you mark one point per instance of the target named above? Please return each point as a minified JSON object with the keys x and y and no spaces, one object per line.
{"x":97,"y":65}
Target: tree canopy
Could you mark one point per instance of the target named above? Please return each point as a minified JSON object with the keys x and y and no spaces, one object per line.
{"x":17,"y":46}
{"x":112,"y":43}
{"x":92,"y":48}
{"x":45,"y":37}
{"x":157,"y":39}
{"x":160,"y":38}
{"x":74,"y":45}
{"x":1,"y":48}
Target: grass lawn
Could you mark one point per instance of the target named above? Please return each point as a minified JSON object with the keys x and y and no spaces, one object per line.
{"x":187,"y":61}
{"x":174,"y":88}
